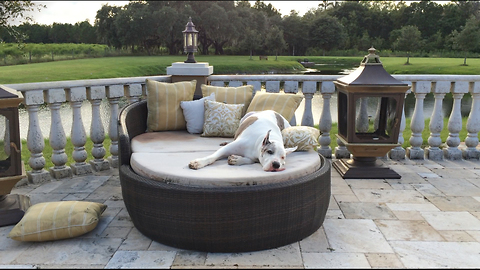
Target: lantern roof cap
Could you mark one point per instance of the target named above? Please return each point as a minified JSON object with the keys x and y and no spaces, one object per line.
{"x":190,"y":27}
{"x":370,"y":73}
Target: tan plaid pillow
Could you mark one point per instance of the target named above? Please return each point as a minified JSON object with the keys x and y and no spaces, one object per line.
{"x":163,"y":104}
{"x":230,"y":95}
{"x":284,"y":104}
{"x":57,"y":220}
{"x":221,"y":120}
{"x":304,"y":137}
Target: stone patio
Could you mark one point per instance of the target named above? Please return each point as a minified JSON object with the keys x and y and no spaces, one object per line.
{"x":430,"y":218}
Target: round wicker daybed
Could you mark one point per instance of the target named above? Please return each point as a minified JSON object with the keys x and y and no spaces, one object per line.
{"x":219,"y":218}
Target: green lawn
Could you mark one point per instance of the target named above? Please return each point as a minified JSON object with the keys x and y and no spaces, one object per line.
{"x":133,"y":66}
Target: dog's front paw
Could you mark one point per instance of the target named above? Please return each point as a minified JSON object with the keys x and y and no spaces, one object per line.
{"x":195,"y":165}
{"x":233,"y":159}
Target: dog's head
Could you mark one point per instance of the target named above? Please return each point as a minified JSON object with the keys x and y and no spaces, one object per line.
{"x":273,"y":154}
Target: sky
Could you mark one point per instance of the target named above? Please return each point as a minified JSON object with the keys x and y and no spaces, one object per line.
{"x":78,"y":11}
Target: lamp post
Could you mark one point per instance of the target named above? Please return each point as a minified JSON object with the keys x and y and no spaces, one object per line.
{"x":190,"y":37}
{"x":12,"y":206}
{"x":370,"y":104}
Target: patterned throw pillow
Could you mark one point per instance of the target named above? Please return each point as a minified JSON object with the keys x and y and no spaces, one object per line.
{"x":163,"y":104}
{"x":194,"y":112}
{"x":304,"y":137}
{"x":57,"y":220}
{"x":284,"y":104}
{"x":230,"y":95}
{"x":221,"y":120}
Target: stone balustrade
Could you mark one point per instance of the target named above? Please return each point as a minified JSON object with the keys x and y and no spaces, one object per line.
{"x":74,"y":93}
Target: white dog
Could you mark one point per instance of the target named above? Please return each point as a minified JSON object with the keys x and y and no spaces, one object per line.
{"x":257,"y":139}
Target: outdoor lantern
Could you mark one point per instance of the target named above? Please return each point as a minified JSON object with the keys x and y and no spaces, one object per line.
{"x":190,"y":36}
{"x":12,"y":206}
{"x":370,"y":104}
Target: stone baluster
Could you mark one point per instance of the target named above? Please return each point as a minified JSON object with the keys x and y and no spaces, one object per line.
{"x":325,"y":122}
{"x":235,"y":83}
{"x":433,"y":151}
{"x":473,"y":124}
{"x":398,"y":153}
{"x":95,"y":94}
{"x":272,"y":86}
{"x":35,"y":142}
{"x":133,"y":92}
{"x":417,"y":123}
{"x":78,"y":136}
{"x":114,"y":93}
{"x":217,"y":83}
{"x":58,"y":140}
{"x":257,"y":86}
{"x":362,"y":119}
{"x":308,"y":90}
{"x":452,"y":152}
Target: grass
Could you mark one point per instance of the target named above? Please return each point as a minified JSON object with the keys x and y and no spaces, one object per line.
{"x":133,"y":66}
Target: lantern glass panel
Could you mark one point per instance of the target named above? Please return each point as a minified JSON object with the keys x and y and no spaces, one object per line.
{"x":189,"y":39}
{"x":342,"y":114}
{"x":376,"y":119}
{"x":4,"y":143}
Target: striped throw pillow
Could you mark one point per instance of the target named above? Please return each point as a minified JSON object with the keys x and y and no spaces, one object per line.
{"x":284,"y":104}
{"x":163,"y":104}
{"x":57,"y":220}
{"x":230,"y":95}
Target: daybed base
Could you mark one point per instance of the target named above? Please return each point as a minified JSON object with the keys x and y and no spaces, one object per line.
{"x":220,"y":219}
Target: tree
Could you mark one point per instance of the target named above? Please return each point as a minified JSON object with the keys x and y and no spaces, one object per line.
{"x":326,"y":33}
{"x":251,"y":41}
{"x":269,"y":10}
{"x":12,"y":10}
{"x":104,"y":22}
{"x":410,"y":39}
{"x":274,"y":40}
{"x":469,"y":38}
{"x":295,"y":33}
{"x":215,"y":21}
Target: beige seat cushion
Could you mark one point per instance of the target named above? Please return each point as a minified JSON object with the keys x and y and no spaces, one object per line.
{"x":164,"y":156}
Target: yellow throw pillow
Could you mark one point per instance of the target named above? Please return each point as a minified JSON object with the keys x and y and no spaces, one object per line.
{"x":163,"y":104}
{"x":230,"y":95}
{"x":284,"y":104}
{"x":304,"y":137}
{"x":57,"y":220}
{"x":221,"y":120}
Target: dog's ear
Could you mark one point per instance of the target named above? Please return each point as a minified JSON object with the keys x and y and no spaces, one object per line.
{"x":290,"y":150}
{"x":266,"y":139}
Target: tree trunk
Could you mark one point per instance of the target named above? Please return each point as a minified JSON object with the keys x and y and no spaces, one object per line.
{"x":250,"y":54}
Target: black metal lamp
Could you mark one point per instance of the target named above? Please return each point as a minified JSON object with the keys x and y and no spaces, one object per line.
{"x":12,"y":206}
{"x":190,"y":37}
{"x":370,"y":104}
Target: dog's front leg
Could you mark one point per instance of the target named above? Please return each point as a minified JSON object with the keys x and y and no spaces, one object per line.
{"x":205,"y":161}
{"x":239,"y":160}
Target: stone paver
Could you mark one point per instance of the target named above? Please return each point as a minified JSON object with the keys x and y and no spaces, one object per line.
{"x":430,"y":218}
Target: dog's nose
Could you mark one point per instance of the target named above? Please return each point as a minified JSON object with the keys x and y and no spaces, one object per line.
{"x":276,"y":164}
